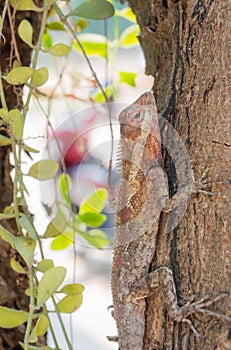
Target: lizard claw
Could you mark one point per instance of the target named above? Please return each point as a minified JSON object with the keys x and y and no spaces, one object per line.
{"x":201,"y":184}
{"x":199,"y":306}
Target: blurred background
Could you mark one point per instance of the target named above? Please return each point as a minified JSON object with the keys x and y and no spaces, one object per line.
{"x":69,"y":122}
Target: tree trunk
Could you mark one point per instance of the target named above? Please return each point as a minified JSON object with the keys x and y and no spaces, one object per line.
{"x":185,"y":43}
{"x":12,"y":285}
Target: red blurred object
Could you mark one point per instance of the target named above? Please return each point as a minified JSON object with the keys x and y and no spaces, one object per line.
{"x":73,"y":144}
{"x":73,"y":147}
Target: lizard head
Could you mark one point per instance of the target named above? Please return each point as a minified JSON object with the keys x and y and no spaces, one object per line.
{"x":139,"y":123}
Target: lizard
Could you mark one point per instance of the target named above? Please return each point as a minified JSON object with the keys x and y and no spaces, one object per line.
{"x":142,"y":196}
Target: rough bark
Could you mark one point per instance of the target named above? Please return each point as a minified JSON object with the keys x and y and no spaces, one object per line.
{"x":12,"y":285}
{"x":186,"y":50}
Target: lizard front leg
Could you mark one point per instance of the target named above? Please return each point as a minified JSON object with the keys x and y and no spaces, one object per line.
{"x":163,"y":278}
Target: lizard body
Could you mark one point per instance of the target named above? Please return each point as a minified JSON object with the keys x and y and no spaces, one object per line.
{"x":135,"y":232}
{"x":142,"y":196}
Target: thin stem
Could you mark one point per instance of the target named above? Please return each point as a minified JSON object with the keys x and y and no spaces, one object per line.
{"x":31,"y":309}
{"x":16,"y":181}
{"x":62,"y":324}
{"x":3,"y":16}
{"x":3,"y":100}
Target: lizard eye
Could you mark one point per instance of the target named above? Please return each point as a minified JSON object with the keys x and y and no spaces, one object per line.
{"x":137,"y":116}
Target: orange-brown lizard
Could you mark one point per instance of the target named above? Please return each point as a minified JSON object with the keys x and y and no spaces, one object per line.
{"x":142,"y":195}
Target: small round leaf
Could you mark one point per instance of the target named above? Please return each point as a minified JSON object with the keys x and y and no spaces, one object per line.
{"x":17,"y":121}
{"x":4,"y":141}
{"x":44,"y":169}
{"x":94,"y":9}
{"x":16,"y":266}
{"x":49,"y":283}
{"x":56,"y":226}
{"x":59,"y":50}
{"x":19,"y":75}
{"x":62,"y":241}
{"x":42,"y":325}
{"x":70,"y":303}
{"x":26,"y":247}
{"x":25,"y":32}
{"x":128,"y":78}
{"x":129,"y":36}
{"x":45,"y":265}
{"x":95,"y":202}
{"x":10,"y":318}
{"x":72,"y":289}
{"x":39,"y":77}
{"x":25,"y":5}
{"x":92,"y":219}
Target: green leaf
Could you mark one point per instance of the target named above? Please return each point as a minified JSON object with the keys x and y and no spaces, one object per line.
{"x":55,"y":26}
{"x":16,"y":64}
{"x":49,"y":283}
{"x":6,"y":216}
{"x":109,"y":90}
{"x":126,"y":13}
{"x":64,"y":187}
{"x":28,"y":226}
{"x":16,"y":266}
{"x":25,"y":5}
{"x":26,"y":247}
{"x":25,"y":31}
{"x":8,"y":210}
{"x":47,"y":40}
{"x":128,"y":78}
{"x":4,"y":115}
{"x":45,"y":265}
{"x":80,"y":25}
{"x":39,"y":77}
{"x":27,"y":292}
{"x":56,"y":226}
{"x":94,"y":203}
{"x":63,"y":241}
{"x":72,"y":289}
{"x":96,"y":238}
{"x":48,"y":3}
{"x":19,"y":75}
{"x":44,"y":169}
{"x":70,"y":303}
{"x":4,"y":141}
{"x":7,"y":236}
{"x":29,"y":149}
{"x":22,"y":184}
{"x":93,"y":9}
{"x":10,"y":318}
{"x":42,"y":325}
{"x":59,"y":50}
{"x":93,"y":44}
{"x":17,"y":121}
{"x":92,"y":219}
{"x":128,"y":38}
